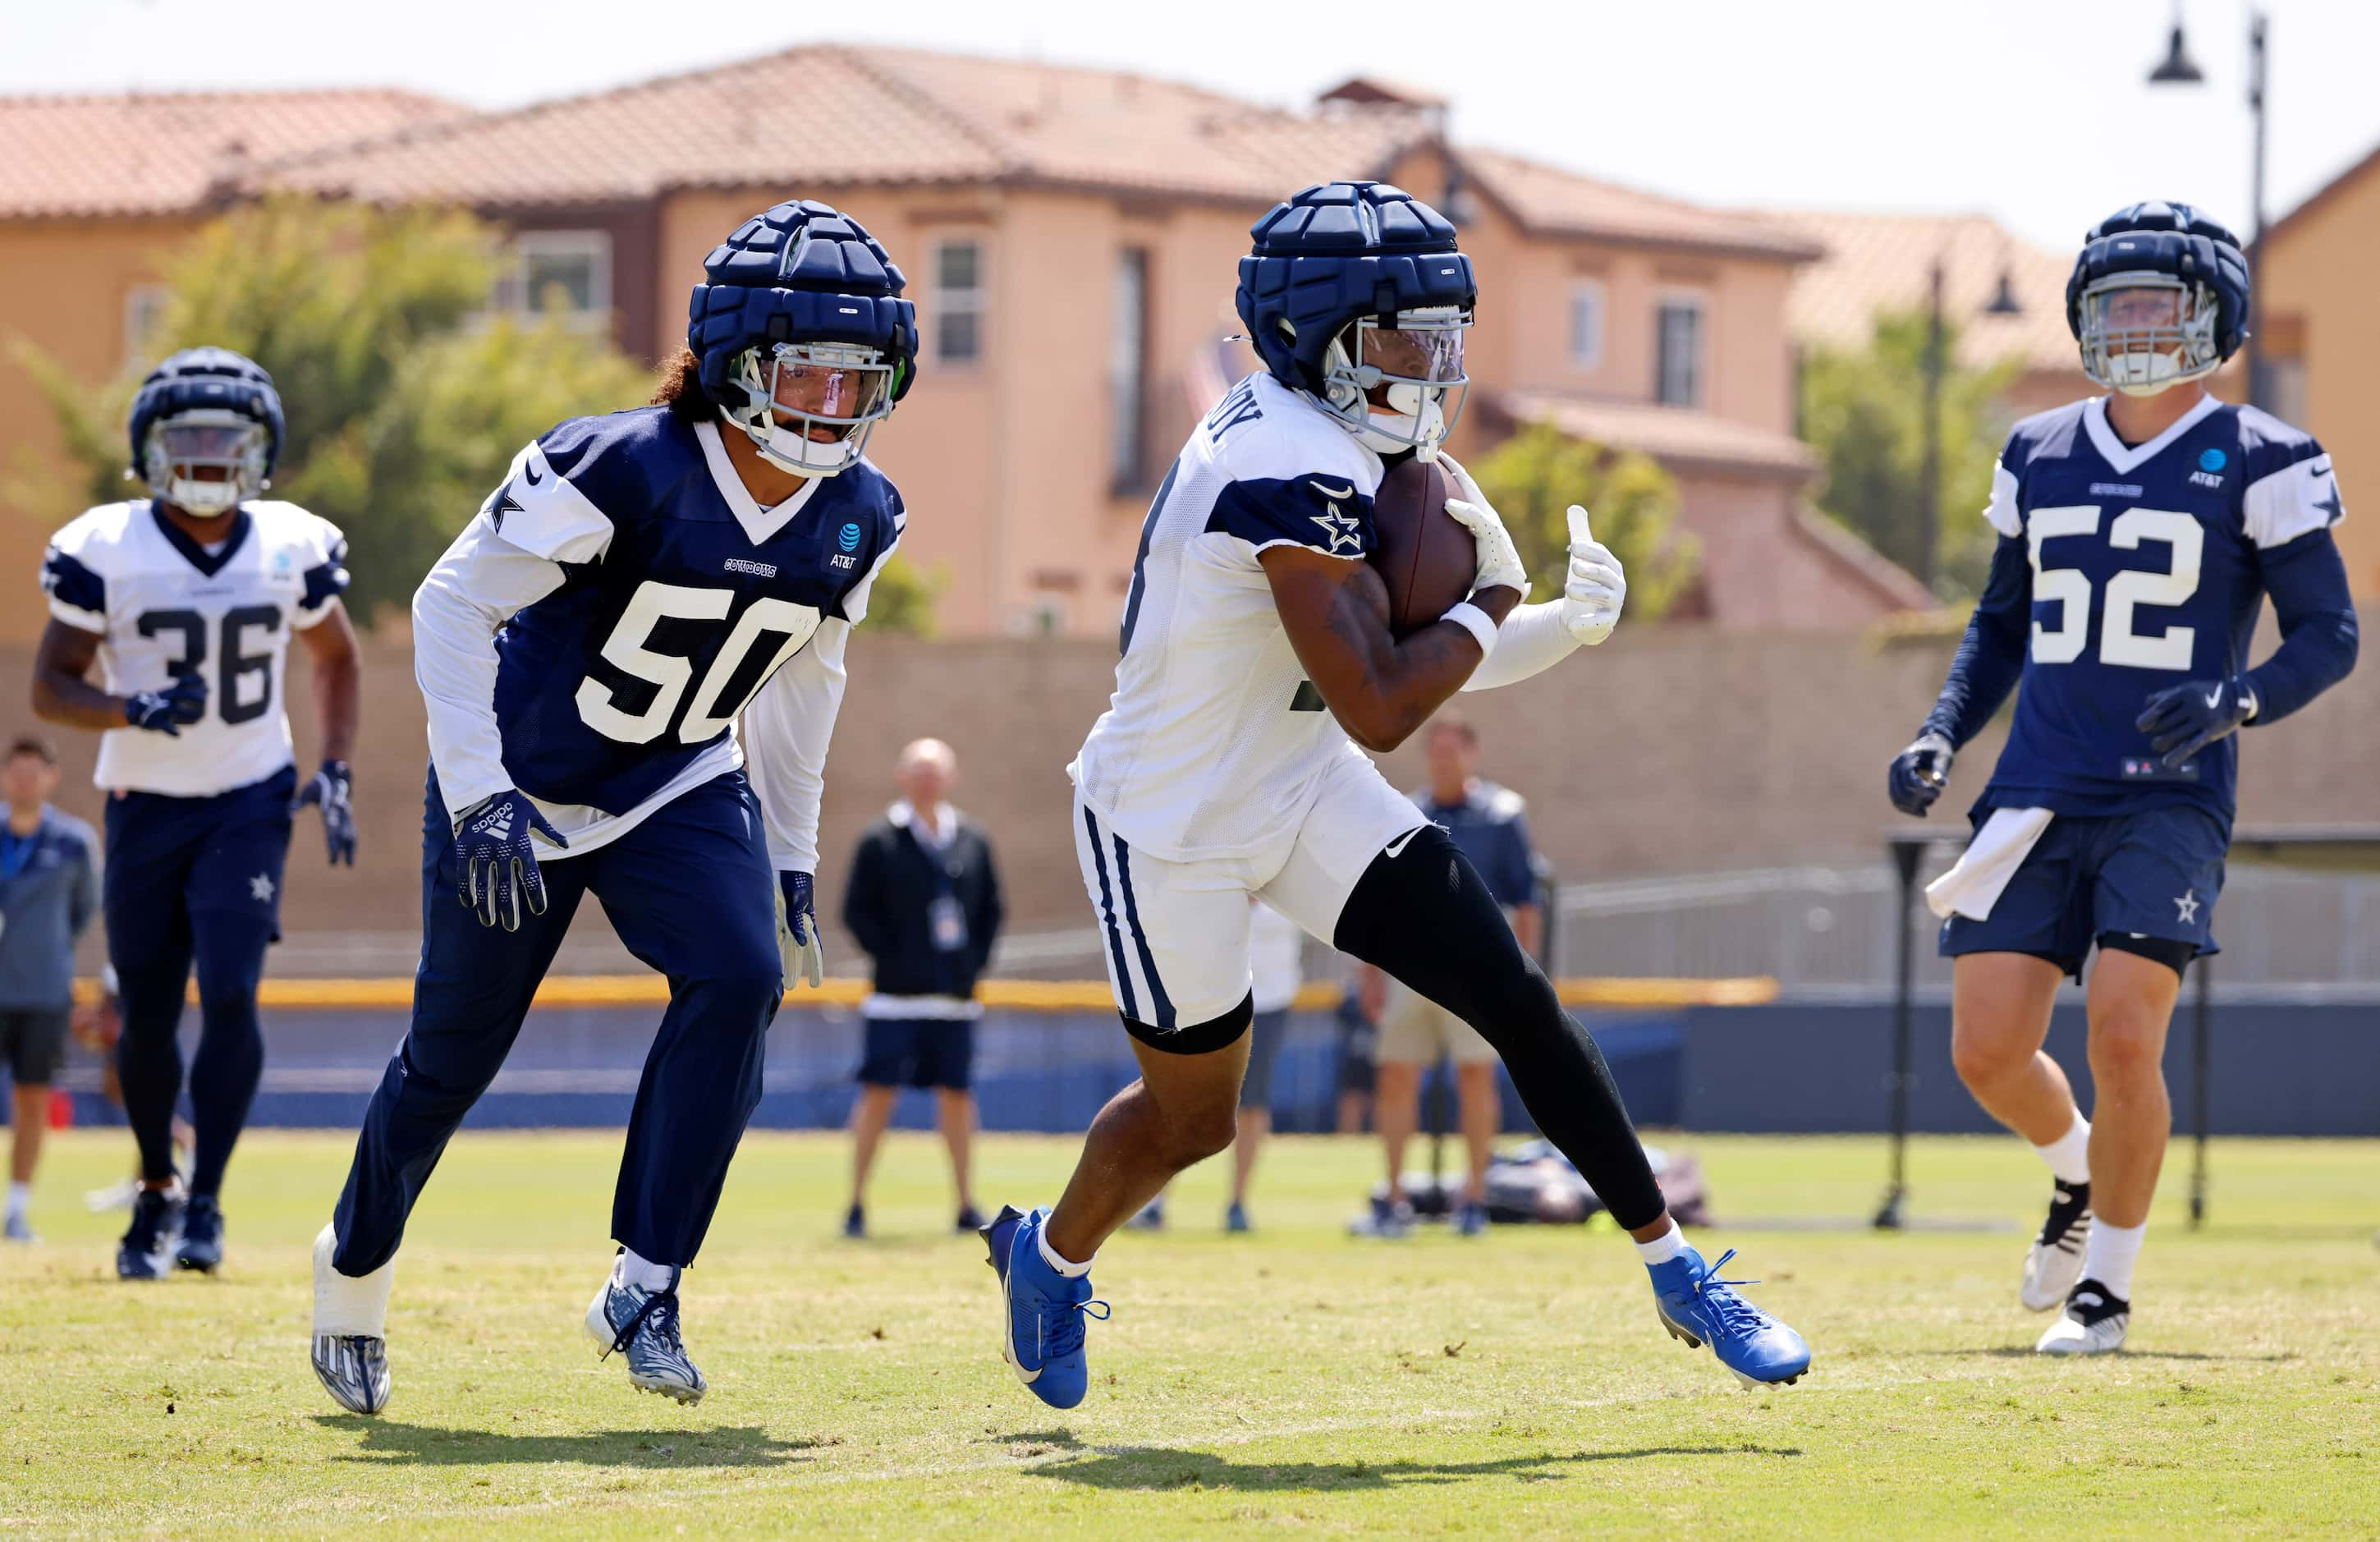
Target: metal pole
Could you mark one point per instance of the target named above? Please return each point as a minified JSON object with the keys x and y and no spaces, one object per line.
{"x":2201,"y":1048}
{"x":1929,"y":503}
{"x":2259,"y":388}
{"x":1906,"y":857}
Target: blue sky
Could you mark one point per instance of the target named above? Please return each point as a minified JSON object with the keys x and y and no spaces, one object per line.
{"x":2032,"y":110}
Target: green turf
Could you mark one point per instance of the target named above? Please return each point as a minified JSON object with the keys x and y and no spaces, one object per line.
{"x":1293,"y":1380}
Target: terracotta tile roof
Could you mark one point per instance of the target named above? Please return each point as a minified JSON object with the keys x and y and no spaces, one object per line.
{"x":830,"y":115}
{"x":1549,"y":200}
{"x":1882,"y":261}
{"x":153,"y":153}
{"x":1676,"y":435}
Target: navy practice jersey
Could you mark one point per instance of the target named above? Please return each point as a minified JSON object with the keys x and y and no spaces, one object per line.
{"x":2146,"y":567}
{"x":640,"y":600}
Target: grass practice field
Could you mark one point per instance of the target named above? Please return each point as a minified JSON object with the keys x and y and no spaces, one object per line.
{"x":1294,"y":1380}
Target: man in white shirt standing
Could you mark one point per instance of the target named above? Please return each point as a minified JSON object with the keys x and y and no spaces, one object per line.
{"x":923,"y":903}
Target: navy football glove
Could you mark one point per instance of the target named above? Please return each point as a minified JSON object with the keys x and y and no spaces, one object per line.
{"x":165,"y":712}
{"x":2182,"y":719}
{"x":496,"y":873}
{"x":332,"y":790}
{"x":1919,"y":774}
{"x":797,"y":938}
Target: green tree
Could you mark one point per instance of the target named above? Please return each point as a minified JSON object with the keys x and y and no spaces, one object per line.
{"x":1865,"y":411}
{"x":403,"y":405}
{"x":1534,"y":477}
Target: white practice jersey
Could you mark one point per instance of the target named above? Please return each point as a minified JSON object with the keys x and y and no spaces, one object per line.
{"x":1215,"y":743}
{"x":164,"y":605}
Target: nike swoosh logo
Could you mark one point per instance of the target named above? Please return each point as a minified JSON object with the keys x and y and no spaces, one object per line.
{"x":1329,"y":492}
{"x":528,"y":471}
{"x":2215,"y":698}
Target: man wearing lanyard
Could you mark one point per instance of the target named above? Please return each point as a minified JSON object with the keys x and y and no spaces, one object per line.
{"x":924,"y":904}
{"x":49,"y":891}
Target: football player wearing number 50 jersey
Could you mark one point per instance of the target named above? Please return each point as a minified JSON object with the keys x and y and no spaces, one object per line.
{"x":2140,"y":533}
{"x":186,"y":600}
{"x":638,"y":584}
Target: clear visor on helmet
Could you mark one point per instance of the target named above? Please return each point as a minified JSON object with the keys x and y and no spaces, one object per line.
{"x":1390,"y":382}
{"x":820,"y":399}
{"x":206,"y":462}
{"x":2144,"y":332}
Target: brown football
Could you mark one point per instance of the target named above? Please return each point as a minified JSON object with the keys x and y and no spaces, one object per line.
{"x":1423,"y":555}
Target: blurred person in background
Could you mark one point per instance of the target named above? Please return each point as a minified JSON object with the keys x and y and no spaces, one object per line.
{"x":1276,"y":968}
{"x":1490,"y":826}
{"x":2139,"y":536}
{"x":187,"y":601}
{"x":49,"y":891}
{"x":923,"y":903}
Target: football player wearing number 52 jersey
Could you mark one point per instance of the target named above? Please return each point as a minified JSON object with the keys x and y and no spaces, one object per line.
{"x":186,"y":600}
{"x":2140,"y":533}
{"x":637,"y":584}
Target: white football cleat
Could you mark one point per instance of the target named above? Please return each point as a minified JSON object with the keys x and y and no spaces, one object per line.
{"x":2093,"y":1323}
{"x":2053,"y":1266}
{"x":351,"y":1329}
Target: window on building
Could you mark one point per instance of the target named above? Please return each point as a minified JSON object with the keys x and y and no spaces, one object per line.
{"x":1679,"y":328}
{"x":144,"y":313}
{"x":958,"y":302}
{"x":1128,"y":371}
{"x":565,"y":274}
{"x":1586,"y":325}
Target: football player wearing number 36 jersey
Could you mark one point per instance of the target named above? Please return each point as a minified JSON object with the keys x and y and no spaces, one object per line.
{"x":2140,"y":533}
{"x":186,"y":601}
{"x":635,"y":585}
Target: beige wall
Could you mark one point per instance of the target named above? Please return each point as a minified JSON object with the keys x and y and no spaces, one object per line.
{"x":1713,"y":750}
{"x":2318,"y":273}
{"x":63,"y":286}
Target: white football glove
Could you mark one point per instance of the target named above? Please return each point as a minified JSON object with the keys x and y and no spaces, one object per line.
{"x":1597,"y":589}
{"x":797,"y":938}
{"x":1498,"y":560}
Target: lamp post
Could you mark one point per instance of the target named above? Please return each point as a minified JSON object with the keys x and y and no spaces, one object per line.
{"x":2179,"y":69}
{"x":2003,"y":303}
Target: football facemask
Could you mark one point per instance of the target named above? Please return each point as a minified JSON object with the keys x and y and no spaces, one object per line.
{"x":809,"y":407}
{"x":2142,"y":333}
{"x":1390,"y":384}
{"x":207,"y":462}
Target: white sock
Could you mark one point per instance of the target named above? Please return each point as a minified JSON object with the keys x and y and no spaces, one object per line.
{"x":345,"y":1305}
{"x":2109,"y":1254}
{"x":1663,"y":1248}
{"x":642,"y":1273}
{"x":1049,"y":1255}
{"x":20,"y":1198}
{"x":2070,"y":1155}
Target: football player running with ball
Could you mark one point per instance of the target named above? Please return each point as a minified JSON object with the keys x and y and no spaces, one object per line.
{"x":2140,"y":533}
{"x":1256,"y":656}
{"x":186,"y":600}
{"x":586,"y":647}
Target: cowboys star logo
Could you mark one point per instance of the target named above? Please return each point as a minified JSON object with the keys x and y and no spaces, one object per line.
{"x":1344,"y":533}
{"x":2185,"y":906}
{"x":259,"y":888}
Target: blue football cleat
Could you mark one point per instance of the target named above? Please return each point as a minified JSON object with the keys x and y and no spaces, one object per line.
{"x":1701,"y":1308}
{"x":146,"y":1251}
{"x":203,"y":1228}
{"x":1236,"y":1218}
{"x":1042,"y":1310}
{"x":855,"y":1223}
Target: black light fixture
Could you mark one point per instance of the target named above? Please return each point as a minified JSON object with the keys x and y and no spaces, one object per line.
{"x":2004,"y":300}
{"x":2178,"y":69}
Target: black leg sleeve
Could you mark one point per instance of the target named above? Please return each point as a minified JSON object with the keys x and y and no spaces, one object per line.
{"x":1425,"y":916}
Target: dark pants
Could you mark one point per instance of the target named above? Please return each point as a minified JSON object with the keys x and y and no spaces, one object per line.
{"x":691,"y":893}
{"x":193,"y":880}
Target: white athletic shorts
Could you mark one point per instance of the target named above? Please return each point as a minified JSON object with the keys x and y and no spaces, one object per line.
{"x":1176,"y":933}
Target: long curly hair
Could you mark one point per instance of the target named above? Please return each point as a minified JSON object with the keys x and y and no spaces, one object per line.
{"x":680,"y":389}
